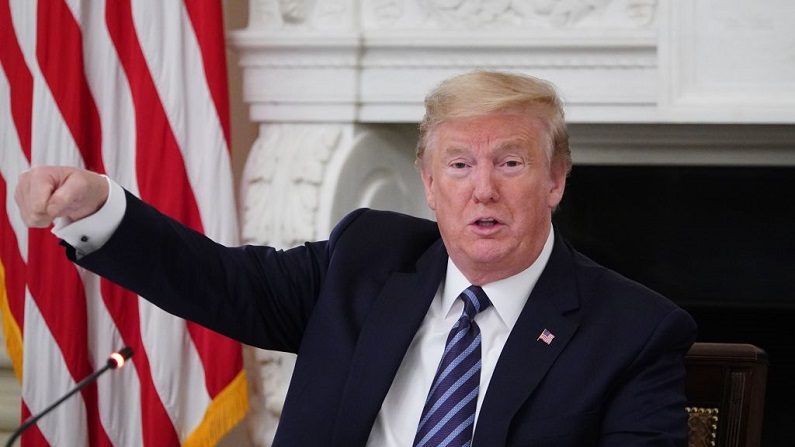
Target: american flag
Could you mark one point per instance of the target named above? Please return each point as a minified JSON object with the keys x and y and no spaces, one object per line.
{"x":546,"y":336}
{"x":137,"y":90}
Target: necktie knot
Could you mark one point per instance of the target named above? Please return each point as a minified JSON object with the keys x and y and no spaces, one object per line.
{"x":475,"y":301}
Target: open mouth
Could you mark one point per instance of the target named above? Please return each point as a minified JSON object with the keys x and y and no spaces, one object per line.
{"x":486,"y":222}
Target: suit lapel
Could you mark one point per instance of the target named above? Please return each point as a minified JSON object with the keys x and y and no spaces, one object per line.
{"x":386,"y":335}
{"x":525,"y":359}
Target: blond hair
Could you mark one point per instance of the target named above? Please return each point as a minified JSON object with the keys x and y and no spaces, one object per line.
{"x":480,"y":93}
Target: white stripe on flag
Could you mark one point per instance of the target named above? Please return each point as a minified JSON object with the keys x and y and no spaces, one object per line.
{"x":12,"y":164}
{"x":46,"y":367}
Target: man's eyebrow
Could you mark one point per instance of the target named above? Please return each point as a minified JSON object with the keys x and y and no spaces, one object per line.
{"x":454,"y":151}
{"x":509,"y":145}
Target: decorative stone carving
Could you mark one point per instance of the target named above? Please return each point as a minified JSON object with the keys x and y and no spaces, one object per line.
{"x":268,"y":378}
{"x":641,"y":12}
{"x":300,"y":15}
{"x":307,"y":15}
{"x":385,"y":12}
{"x":518,"y":14}
{"x":285,"y":158}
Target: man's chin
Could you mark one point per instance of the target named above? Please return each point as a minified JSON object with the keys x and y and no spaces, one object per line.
{"x":487,"y":256}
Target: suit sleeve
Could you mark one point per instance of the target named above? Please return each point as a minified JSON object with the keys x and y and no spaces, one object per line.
{"x":258,"y":295}
{"x":647,"y":408}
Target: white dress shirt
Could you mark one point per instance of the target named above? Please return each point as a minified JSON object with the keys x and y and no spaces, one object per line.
{"x":400,"y":413}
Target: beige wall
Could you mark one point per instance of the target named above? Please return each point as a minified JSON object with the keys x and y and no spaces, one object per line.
{"x":10,"y":393}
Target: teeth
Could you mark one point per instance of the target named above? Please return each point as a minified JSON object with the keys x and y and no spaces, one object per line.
{"x":486,"y":222}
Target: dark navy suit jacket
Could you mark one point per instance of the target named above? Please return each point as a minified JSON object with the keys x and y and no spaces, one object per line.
{"x":350,"y":306}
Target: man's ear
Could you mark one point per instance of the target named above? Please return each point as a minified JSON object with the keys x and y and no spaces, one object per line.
{"x":427,"y":183}
{"x":558,"y":172}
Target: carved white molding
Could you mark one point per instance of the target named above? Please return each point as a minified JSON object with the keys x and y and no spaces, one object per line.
{"x":445,"y":14}
{"x":330,"y":78}
{"x":300,"y":14}
{"x":378,"y":63}
{"x":636,"y":61}
{"x":328,"y":170}
{"x":303,"y":15}
{"x":268,"y":374}
{"x":286,"y":157}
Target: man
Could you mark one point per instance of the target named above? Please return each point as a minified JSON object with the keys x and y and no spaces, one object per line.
{"x":542,"y":347}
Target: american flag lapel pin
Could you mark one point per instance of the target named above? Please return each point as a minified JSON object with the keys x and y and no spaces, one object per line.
{"x":546,"y":336}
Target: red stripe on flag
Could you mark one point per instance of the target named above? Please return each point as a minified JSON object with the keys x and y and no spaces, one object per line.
{"x":12,"y":262}
{"x":19,"y":78}
{"x":58,"y":292}
{"x":123,"y":308}
{"x":207,"y":20}
{"x":162,"y":179}
{"x":59,"y":51}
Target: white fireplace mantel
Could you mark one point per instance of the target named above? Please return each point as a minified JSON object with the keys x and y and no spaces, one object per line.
{"x":613,"y":60}
{"x":337,"y":85}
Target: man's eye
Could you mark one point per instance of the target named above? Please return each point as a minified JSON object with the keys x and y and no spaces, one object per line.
{"x":513,"y":163}
{"x":458,"y":165}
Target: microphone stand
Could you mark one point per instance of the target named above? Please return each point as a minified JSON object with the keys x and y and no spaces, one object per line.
{"x":115,"y":361}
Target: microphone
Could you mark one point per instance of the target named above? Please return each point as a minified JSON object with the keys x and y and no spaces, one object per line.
{"x":115,"y":361}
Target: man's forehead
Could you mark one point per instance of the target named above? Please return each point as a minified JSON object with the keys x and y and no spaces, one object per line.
{"x":498,"y":133}
{"x":463,"y":146}
{"x":507,"y":119}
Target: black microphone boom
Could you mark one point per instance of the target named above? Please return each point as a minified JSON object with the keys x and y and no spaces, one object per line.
{"x":115,"y":360}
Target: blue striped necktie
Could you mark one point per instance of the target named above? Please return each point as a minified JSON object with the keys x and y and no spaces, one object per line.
{"x":449,"y":413}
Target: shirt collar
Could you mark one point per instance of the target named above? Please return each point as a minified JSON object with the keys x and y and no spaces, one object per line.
{"x":509,"y":295}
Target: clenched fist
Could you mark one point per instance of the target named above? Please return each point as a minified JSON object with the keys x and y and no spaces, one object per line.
{"x":46,"y":192}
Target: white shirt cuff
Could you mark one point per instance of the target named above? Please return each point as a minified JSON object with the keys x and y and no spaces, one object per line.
{"x":91,"y":232}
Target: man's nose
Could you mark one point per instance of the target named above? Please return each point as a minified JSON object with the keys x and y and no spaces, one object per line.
{"x":484,"y":186}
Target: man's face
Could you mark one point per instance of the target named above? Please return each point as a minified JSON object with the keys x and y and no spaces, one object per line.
{"x":490,"y":183}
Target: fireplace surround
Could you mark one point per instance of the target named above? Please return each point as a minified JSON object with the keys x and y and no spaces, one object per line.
{"x":669,"y":104}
